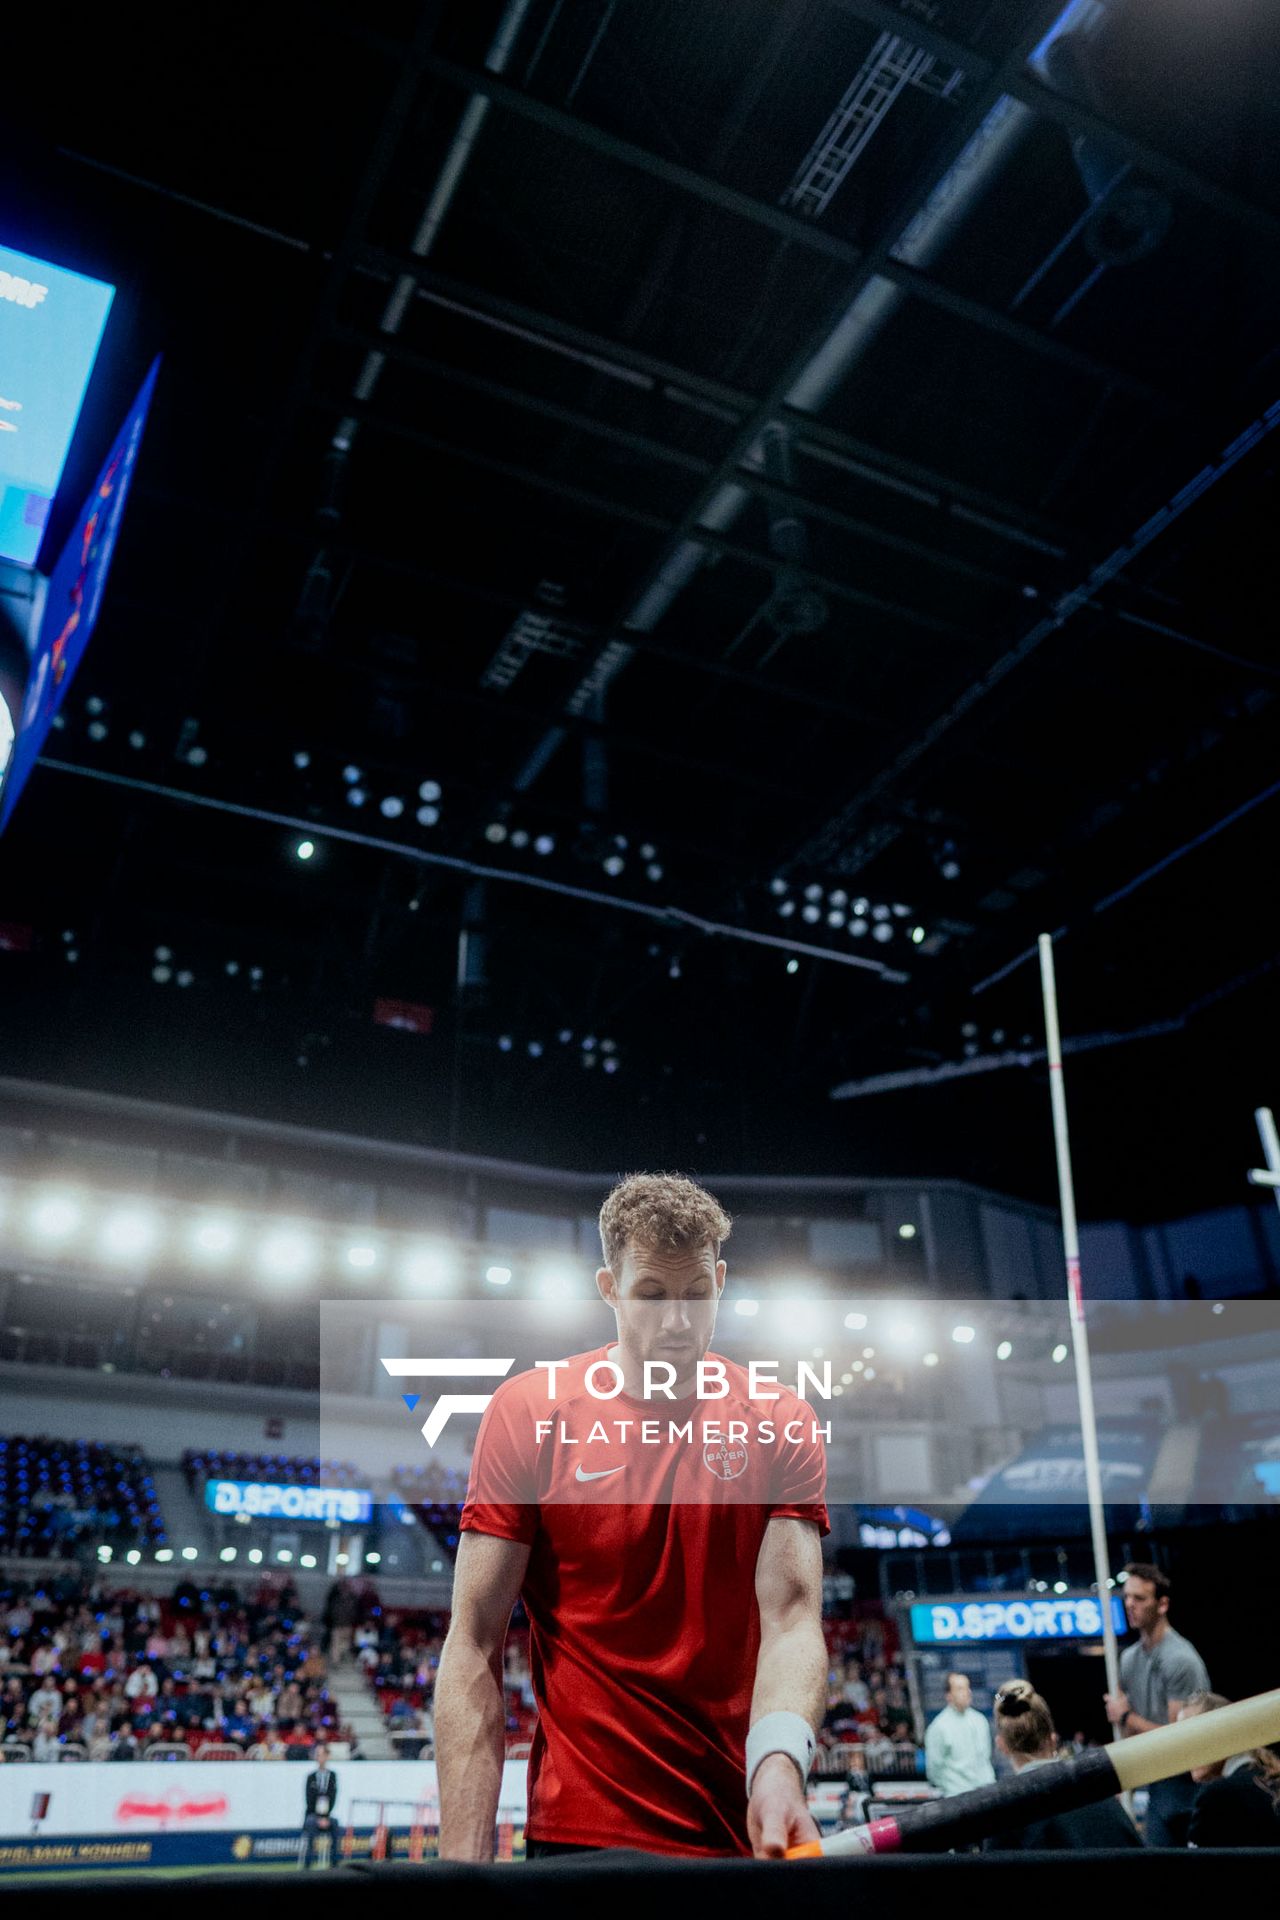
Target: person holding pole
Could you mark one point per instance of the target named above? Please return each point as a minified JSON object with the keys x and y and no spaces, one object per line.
{"x":1158,"y":1675}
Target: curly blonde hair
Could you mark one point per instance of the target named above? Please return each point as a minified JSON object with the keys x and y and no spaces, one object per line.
{"x":664,"y":1212}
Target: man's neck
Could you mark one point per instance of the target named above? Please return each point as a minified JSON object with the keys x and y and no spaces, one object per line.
{"x":1156,"y":1634}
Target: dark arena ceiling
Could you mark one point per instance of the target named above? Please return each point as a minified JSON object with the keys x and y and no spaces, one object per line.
{"x":621,"y":467}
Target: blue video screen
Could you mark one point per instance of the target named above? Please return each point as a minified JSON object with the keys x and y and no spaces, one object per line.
{"x":51,"y":325}
{"x":72,"y":601}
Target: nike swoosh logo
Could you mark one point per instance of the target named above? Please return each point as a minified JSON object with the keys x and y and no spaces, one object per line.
{"x":602,"y":1475}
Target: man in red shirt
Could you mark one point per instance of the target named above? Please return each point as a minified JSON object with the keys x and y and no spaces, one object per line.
{"x":667,"y":1550}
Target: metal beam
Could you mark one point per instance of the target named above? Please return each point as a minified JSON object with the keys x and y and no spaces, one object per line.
{"x":610,"y":146}
{"x":790,"y":227}
{"x":1159,"y":166}
{"x":906,"y":477}
{"x":595,"y":503}
{"x":658,"y":451}
{"x":887,"y":18}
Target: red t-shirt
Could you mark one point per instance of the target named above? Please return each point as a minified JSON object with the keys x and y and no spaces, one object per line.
{"x":640,"y":1592}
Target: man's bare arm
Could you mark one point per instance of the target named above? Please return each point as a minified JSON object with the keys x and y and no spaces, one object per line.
{"x":791,"y":1674}
{"x":469,"y":1733}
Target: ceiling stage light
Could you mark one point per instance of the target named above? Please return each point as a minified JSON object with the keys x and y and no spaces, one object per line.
{"x":287,"y":1254}
{"x":305,"y":849}
{"x":55,"y":1216}
{"x":427,"y":1266}
{"x":963,"y":1336}
{"x":129,"y":1233}
{"x":497,"y":1276}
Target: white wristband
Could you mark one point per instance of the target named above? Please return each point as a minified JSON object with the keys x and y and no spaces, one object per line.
{"x":788,"y":1733}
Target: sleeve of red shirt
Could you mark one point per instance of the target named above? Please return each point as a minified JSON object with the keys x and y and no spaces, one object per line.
{"x":501,"y":1492}
{"x":800,"y":1474}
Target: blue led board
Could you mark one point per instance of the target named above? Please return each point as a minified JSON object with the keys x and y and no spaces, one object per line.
{"x":1062,"y":1617}
{"x":73,"y":599}
{"x":51,"y":324}
{"x":263,"y":1500}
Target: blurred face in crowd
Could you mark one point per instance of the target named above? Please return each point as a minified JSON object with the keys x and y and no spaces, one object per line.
{"x":1142,"y":1609}
{"x":959,"y":1692}
{"x":665,"y":1306}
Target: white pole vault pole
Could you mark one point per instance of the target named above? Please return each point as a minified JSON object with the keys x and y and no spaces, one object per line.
{"x":1266,"y":1123}
{"x":1079,"y":1331}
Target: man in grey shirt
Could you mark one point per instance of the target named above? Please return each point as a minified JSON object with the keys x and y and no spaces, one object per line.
{"x":1158,"y":1675}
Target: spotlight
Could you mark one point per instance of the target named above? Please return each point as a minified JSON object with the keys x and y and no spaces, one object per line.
{"x":1058,"y":1355}
{"x":835,"y":918}
{"x":930,"y":1359}
{"x":906,"y":1231}
{"x":654,"y":872}
{"x":427,"y":1266}
{"x":900,"y":912}
{"x":97,"y":729}
{"x":589,"y":1043}
{"x":190,"y":1553}
{"x":778,"y":886}
{"x":429,"y":790}
{"x":497,"y":1276}
{"x":747,"y":1308}
{"x":813,"y":892}
{"x":255,"y":1556}
{"x":391,"y":808}
{"x":611,"y":1064}
{"x":565,"y":1036}
{"x":215,"y":1239}
{"x":838,"y":897}
{"x":811,"y":913}
{"x":309,"y":1559}
{"x":302,"y":761}
{"x":917,"y":936}
{"x":879,"y":913}
{"x":673,"y":971}
{"x":553,"y":1283}
{"x":505,"y":1043}
{"x":519,"y":838}
{"x":305,"y":849}
{"x":362,"y":1257}
{"x":787,"y":908}
{"x":356,"y":796}
{"x":162,"y":953}
{"x":855,"y":1322}
{"x":950,"y":869}
{"x":882,"y":931}
{"x":858,"y":927}
{"x":352,"y":776}
{"x":535,"y":1049}
{"x":286,"y":1254}
{"x":608,"y":1046}
{"x":614,"y":865}
{"x":197,"y":756}
{"x":903,"y":1333}
{"x":94,"y":704}
{"x":428,"y":816}
{"x":55,"y":1216}
{"x":868,"y":1353}
{"x":1005,"y":1350}
{"x":495,"y":833}
{"x":963,"y":1336}
{"x":164,"y":1553}
{"x":129,"y":1233}
{"x":544,"y":844}
{"x":870,"y":1374}
{"x":137,"y":740}
{"x":185,"y":978}
{"x":232,"y":968}
{"x":793,"y":965}
{"x":859,"y":1366}
{"x":162,"y":975}
{"x":372,"y":1559}
{"x":133,"y":1556}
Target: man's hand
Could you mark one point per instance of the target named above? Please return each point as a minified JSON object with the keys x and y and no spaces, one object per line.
{"x":777,"y":1816}
{"x":1117,"y":1705}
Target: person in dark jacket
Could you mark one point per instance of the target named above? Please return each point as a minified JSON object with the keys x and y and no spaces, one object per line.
{"x":322,"y":1793}
{"x":1237,"y":1801}
{"x":1025,"y":1732}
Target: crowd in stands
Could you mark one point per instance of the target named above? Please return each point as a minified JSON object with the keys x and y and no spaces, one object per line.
{"x":867,"y":1701}
{"x":274,"y":1469}
{"x":401,"y":1655}
{"x":110,"y":1673}
{"x":54,"y":1493}
{"x":436,"y":1494}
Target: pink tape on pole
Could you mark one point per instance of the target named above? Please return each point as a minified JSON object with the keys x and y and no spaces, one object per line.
{"x":886,"y":1835}
{"x":1073,"y":1283}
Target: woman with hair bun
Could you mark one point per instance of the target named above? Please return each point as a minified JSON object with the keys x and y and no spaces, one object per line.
{"x":1025,"y":1732}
